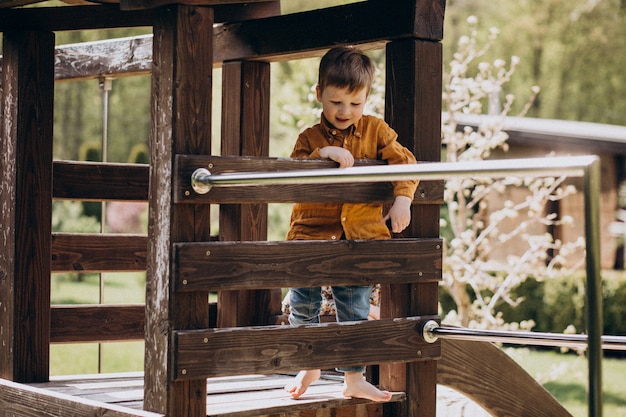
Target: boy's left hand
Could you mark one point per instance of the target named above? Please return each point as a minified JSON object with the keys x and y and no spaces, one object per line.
{"x":399,"y":214}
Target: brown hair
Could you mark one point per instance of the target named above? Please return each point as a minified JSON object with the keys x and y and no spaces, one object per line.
{"x":346,"y":67}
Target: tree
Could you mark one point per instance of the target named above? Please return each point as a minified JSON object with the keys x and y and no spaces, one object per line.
{"x":475,"y":222}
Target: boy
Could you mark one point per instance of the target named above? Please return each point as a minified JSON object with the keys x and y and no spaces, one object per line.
{"x":343,"y":134}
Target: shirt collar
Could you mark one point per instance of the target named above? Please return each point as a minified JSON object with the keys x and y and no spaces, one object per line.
{"x":330,"y":131}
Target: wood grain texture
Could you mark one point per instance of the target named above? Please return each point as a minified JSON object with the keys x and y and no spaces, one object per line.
{"x":236,"y":265}
{"x":272,"y":349}
{"x":27,"y":86}
{"x":96,"y":323}
{"x":98,"y":181}
{"x":485,"y":374}
{"x":98,"y":252}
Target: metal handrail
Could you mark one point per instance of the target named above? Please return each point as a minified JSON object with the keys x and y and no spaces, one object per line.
{"x":432,"y":331}
{"x":587,"y":166}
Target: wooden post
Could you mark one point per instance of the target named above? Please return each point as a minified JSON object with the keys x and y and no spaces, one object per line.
{"x":26,"y":201}
{"x":245,"y":132}
{"x":181,"y":124}
{"x":413,"y":109}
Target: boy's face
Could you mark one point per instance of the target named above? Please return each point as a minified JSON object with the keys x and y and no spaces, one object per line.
{"x":341,"y":108}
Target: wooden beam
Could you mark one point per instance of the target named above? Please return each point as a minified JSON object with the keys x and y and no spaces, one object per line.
{"x":413,"y":109}
{"x":98,"y":181}
{"x":245,"y":132}
{"x":86,"y":252}
{"x":96,"y":323}
{"x":273,"y":349}
{"x":109,"y":16}
{"x":268,"y":5}
{"x":238,"y":265}
{"x":181,"y":124}
{"x":475,"y":369}
{"x":428,"y":192}
{"x":27,"y":83}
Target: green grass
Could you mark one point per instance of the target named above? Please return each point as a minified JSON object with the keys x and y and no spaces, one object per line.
{"x":565,"y":376}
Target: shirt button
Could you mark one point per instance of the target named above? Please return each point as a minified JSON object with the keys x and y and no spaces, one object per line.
{"x":357,"y":134}
{"x":333,"y":237}
{"x":333,"y":132}
{"x":343,"y":219}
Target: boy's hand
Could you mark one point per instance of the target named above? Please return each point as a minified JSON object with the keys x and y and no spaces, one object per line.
{"x":399,"y":214}
{"x":340,"y":155}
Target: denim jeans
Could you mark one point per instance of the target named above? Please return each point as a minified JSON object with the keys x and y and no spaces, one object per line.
{"x":352,"y":303}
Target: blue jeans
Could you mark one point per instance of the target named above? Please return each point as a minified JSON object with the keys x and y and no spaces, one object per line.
{"x":352,"y":303}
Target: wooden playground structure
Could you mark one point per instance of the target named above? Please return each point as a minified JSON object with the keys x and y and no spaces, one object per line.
{"x":195,"y":350}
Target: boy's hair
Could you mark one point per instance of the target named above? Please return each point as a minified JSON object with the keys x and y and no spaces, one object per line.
{"x":346,"y":67}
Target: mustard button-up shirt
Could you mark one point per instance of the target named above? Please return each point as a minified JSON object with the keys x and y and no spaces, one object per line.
{"x":370,"y":138}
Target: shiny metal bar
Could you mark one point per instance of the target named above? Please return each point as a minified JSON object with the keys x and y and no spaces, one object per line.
{"x":433,"y":331}
{"x":202,"y":180}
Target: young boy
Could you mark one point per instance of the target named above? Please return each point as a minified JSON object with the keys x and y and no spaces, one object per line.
{"x":343,"y":134}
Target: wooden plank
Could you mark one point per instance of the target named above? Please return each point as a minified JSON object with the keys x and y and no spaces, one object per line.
{"x":463,"y":367}
{"x":96,"y":323}
{"x":238,"y":265}
{"x":181,"y":124}
{"x":27,"y":106}
{"x":413,"y":108}
{"x":98,"y":181}
{"x":273,"y":349}
{"x":245,"y":131}
{"x":265,"y":6}
{"x":320,"y":396}
{"x":110,"y":16}
{"x":23,"y":400}
{"x":428,"y":192}
{"x":98,"y":252}
{"x":368,"y":23}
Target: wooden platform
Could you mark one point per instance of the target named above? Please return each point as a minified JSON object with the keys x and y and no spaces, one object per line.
{"x":240,"y":396}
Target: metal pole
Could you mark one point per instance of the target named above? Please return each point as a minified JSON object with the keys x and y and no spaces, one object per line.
{"x":593,"y":300}
{"x":202,"y":180}
{"x":433,"y":331}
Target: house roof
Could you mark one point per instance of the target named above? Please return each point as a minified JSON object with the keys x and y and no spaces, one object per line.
{"x":561,"y":135}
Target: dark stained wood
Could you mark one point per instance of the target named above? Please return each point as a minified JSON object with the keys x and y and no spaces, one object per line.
{"x":96,"y":323}
{"x":365,"y":23}
{"x":428,"y":192}
{"x":272,"y":349}
{"x":22,"y":400}
{"x":413,"y":108}
{"x":27,"y":84}
{"x":108,"y":16}
{"x":245,"y":132}
{"x":98,"y":252}
{"x":238,"y":265}
{"x":251,"y":8}
{"x":98,"y":181}
{"x":181,"y":124}
{"x":475,"y":369}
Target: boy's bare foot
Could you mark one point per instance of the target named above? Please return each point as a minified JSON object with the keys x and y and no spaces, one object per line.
{"x":356,"y":386}
{"x":302,"y":382}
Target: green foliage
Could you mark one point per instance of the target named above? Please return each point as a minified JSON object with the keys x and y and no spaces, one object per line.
{"x":558,"y":303}
{"x":68,"y":216}
{"x":139,"y":154}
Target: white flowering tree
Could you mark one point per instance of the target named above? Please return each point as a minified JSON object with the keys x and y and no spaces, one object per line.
{"x":477,"y":223}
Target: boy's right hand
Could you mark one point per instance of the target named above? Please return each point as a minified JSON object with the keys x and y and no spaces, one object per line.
{"x":340,"y":155}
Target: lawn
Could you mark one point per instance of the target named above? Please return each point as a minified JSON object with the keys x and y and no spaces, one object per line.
{"x":564,"y":375}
